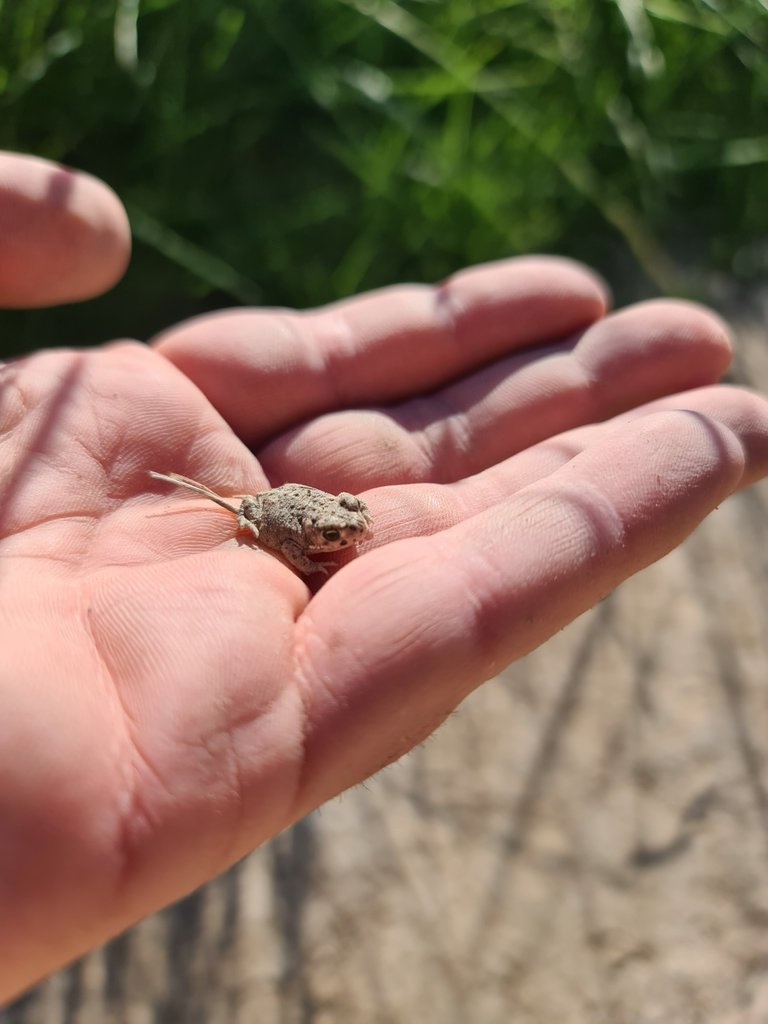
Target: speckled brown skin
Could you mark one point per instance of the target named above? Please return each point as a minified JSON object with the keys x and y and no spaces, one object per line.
{"x":294,"y":519}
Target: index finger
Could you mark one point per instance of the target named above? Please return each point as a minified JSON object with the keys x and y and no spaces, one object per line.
{"x":436,"y":616}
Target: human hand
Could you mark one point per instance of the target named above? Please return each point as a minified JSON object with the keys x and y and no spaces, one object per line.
{"x":172,"y":697}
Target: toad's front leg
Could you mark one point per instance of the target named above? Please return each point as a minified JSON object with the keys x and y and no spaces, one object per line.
{"x":296,"y":555}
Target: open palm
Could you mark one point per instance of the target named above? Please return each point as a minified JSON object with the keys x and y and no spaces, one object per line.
{"x":172,"y":695}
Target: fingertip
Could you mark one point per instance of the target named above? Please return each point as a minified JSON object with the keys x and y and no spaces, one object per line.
{"x":688,"y":322}
{"x":696,"y":322}
{"x":65,"y":234}
{"x":745,"y":414}
{"x":567,"y":295}
{"x":653,"y":348}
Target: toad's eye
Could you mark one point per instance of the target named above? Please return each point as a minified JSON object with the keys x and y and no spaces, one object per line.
{"x":331,"y":534}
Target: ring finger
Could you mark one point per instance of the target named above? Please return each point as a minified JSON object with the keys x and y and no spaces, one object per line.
{"x":627,"y":359}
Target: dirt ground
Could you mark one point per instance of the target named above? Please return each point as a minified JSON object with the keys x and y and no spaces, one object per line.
{"x":585,"y":841}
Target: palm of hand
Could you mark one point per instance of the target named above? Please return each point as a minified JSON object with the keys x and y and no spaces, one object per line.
{"x":172,"y":697}
{"x":162,"y":646}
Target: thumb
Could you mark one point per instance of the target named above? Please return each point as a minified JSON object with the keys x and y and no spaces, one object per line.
{"x":64,"y":235}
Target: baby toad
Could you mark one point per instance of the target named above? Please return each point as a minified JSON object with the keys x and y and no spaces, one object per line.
{"x":294,"y":519}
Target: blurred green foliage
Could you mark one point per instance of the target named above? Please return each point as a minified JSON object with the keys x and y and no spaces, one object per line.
{"x":294,"y":152}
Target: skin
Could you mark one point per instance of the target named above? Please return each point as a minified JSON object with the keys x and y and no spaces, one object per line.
{"x":170,"y":696}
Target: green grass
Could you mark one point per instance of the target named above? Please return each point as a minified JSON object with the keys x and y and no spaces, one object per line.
{"x":293,"y":152}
